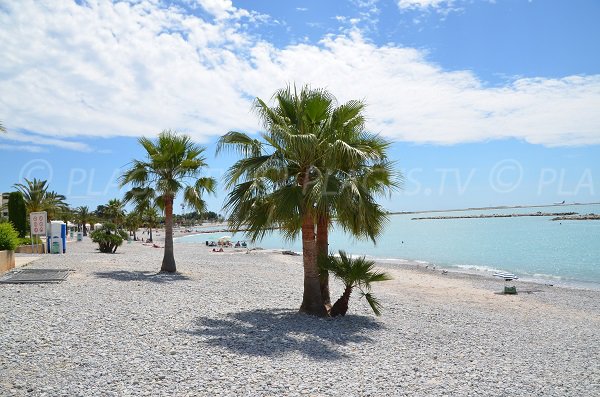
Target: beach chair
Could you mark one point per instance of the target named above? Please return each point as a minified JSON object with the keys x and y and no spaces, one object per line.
{"x":512,"y":290}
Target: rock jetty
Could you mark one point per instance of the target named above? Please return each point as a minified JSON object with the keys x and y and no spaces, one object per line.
{"x":577,"y":217}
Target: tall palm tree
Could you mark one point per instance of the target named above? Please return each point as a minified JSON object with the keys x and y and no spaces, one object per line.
{"x":133,"y":221}
{"x":55,"y":205}
{"x":272,"y":183}
{"x":93,"y":220}
{"x":114,"y":211}
{"x":66,"y":215}
{"x":314,"y":163}
{"x":354,"y":172}
{"x":173,"y":164}
{"x":38,"y":198}
{"x":354,"y":273}
{"x":2,"y":129}
{"x":149,"y":217}
{"x":34,"y":194}
{"x":83,"y":216}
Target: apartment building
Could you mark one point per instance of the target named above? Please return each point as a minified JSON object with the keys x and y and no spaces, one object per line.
{"x":3,"y":207}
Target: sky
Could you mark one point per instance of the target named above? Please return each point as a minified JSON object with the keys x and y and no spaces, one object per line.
{"x":486,"y":102}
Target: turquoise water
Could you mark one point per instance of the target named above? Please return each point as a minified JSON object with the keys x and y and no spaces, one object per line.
{"x":532,"y":247}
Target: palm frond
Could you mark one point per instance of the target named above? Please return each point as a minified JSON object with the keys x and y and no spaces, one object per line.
{"x":192,"y":196}
{"x":239,"y":142}
{"x":373,"y":302}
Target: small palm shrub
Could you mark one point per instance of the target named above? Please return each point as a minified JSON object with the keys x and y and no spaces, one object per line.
{"x":354,"y":273}
{"x":9,"y":237}
{"x":108,"y":237}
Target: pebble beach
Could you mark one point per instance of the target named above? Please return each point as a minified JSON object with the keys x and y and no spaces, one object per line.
{"x":227,"y":325}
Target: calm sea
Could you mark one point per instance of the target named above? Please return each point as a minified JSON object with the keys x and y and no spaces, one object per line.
{"x":532,"y":247}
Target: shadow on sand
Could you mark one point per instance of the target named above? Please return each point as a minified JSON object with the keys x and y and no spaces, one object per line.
{"x":278,"y":331}
{"x":125,"y":275}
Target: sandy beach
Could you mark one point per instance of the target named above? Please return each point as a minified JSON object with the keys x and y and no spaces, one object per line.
{"x":227,"y":325}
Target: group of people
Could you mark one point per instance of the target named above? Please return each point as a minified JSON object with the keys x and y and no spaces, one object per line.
{"x":225,"y":244}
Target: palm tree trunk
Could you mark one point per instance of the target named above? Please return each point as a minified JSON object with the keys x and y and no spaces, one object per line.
{"x":340,"y":307}
{"x":168,"y":263}
{"x":312,"y":302}
{"x":323,"y":251}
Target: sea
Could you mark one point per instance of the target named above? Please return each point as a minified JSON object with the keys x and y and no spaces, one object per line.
{"x":534,"y":248}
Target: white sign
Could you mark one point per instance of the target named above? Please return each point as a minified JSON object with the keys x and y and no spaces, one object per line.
{"x":38,"y":222}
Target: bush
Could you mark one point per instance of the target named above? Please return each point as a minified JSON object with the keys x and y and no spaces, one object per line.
{"x":27,"y":240}
{"x":9,"y":238}
{"x":108,"y":237}
{"x":17,"y":214}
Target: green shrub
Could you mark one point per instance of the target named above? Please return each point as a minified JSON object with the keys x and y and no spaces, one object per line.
{"x":108,"y":237}
{"x":17,"y":214}
{"x":27,"y":240}
{"x":9,"y":238}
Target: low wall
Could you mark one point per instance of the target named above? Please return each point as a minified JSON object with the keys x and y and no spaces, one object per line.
{"x":26,"y":249}
{"x":7,"y":260}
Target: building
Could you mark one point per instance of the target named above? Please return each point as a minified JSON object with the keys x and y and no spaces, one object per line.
{"x":4,"y":205}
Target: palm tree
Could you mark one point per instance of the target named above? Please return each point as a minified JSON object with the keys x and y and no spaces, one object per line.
{"x":66,"y":215}
{"x":354,"y":273}
{"x":149,"y":217}
{"x":314,"y":164}
{"x":114,"y":211}
{"x":272,"y":183}
{"x":38,"y":198}
{"x":354,"y":172}
{"x":93,"y":220}
{"x":34,"y":193}
{"x":83,"y":216}
{"x":133,"y":221}
{"x":173,"y":164}
{"x":2,"y":129}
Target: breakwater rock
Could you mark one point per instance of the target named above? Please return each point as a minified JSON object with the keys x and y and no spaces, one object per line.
{"x":577,"y":217}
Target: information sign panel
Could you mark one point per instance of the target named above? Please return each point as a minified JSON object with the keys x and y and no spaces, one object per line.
{"x":38,"y":221}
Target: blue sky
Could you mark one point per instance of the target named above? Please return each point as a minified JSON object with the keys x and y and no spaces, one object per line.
{"x":488,"y":103}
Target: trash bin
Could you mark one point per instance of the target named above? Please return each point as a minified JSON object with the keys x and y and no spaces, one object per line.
{"x":71,"y":234}
{"x":56,"y":245}
{"x":79,"y":236}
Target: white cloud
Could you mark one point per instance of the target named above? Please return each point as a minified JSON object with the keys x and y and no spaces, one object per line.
{"x":35,"y":140}
{"x":134,"y":69}
{"x":218,"y":8}
{"x":424,"y":4}
{"x":22,"y":148}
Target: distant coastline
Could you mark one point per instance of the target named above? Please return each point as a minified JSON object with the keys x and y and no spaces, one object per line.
{"x":558,"y":215}
{"x":502,"y":207}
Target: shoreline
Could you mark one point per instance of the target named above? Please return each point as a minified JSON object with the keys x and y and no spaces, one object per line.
{"x":467,"y":270}
{"x":486,"y":274}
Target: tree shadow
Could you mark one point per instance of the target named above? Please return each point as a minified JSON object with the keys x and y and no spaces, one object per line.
{"x":273,"y":332}
{"x":127,"y":275}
